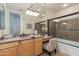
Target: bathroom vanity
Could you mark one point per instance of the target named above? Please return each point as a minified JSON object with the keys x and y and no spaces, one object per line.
{"x":21,"y":46}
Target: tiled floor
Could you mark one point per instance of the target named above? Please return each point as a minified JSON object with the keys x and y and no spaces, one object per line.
{"x":53,"y":54}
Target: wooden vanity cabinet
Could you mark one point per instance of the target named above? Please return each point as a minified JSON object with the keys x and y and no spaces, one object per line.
{"x":9,"y":49}
{"x":26,"y":48}
{"x":31,"y":47}
{"x":9,"y":52}
{"x":38,"y":47}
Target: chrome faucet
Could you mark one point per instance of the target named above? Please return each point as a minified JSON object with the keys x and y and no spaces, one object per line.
{"x":2,"y":34}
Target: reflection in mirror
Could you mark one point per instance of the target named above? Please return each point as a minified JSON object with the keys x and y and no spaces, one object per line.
{"x":41,"y":28}
{"x":44,"y":28}
{"x":2,"y":16}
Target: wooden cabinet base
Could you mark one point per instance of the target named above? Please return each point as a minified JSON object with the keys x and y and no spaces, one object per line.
{"x":26,"y":48}
{"x":38,"y":46}
{"x":9,"y":52}
{"x":22,"y":48}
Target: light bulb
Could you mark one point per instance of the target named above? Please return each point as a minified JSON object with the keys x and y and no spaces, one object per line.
{"x":31,"y":13}
{"x":34,"y":13}
{"x":27,"y":12}
{"x":37,"y":14}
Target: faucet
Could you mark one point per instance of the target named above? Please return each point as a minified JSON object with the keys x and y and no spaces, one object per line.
{"x":2,"y":34}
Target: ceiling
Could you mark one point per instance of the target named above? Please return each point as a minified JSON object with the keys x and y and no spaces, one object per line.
{"x":54,"y":7}
{"x":57,"y":6}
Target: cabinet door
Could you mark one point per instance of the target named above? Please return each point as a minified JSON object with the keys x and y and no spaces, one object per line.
{"x":38,"y":47}
{"x":27,"y":49}
{"x":9,"y":52}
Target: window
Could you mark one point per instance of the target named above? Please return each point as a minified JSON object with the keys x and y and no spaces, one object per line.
{"x":14,"y":23}
{"x":2,"y":20}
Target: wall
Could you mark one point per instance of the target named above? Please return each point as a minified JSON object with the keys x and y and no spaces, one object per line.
{"x":49,"y":15}
{"x":7,"y":19}
{"x":7,"y":24}
{"x":67,"y":49}
{"x":25,"y":19}
{"x":28,"y":20}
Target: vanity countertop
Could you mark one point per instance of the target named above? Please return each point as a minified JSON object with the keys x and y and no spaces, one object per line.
{"x":13,"y":39}
{"x":47,"y":37}
{"x":16,"y":39}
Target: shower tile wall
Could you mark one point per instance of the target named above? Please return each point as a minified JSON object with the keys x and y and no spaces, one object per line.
{"x":68,"y":29}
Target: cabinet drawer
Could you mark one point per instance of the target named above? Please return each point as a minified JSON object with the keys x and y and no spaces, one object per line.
{"x":9,"y":52}
{"x":8,"y":45}
{"x":9,"y":49}
{"x":26,"y":41}
{"x":38,"y":39}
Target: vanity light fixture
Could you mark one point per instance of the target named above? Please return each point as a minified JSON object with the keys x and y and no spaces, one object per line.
{"x":27,"y":12}
{"x":32,"y":13}
{"x":37,"y":14}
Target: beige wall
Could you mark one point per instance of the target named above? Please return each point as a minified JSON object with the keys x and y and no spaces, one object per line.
{"x":7,"y":20}
{"x":28,"y":20}
{"x":48,"y":15}
{"x":24,"y":21}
